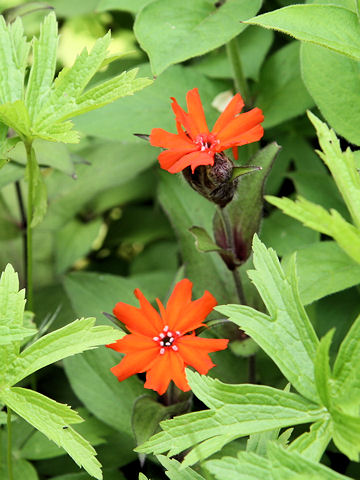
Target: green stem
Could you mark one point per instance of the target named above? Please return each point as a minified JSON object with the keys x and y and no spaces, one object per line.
{"x":230,"y":242}
{"x":9,"y":445}
{"x":240,"y":82}
{"x":29,"y":269}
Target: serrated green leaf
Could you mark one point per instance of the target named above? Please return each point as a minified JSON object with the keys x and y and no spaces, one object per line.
{"x":13,"y":49}
{"x":176,"y":470}
{"x":16,"y":116}
{"x":70,"y":83}
{"x":316,"y":217}
{"x":286,"y":335}
{"x":12,"y":303}
{"x":76,"y":337}
{"x":58,"y":132}
{"x":192,"y":31}
{"x":346,"y":388}
{"x":14,"y":334}
{"x":43,"y":68}
{"x":341,"y":165}
{"x":248,"y":466}
{"x":315,"y":24}
{"x":237,"y":410}
{"x":312,"y":444}
{"x":346,"y":433}
{"x":322,"y":369}
{"x":50,"y":418}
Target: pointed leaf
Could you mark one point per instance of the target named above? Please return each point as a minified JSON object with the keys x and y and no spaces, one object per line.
{"x":16,"y":116}
{"x":176,"y":471}
{"x":239,"y":171}
{"x":322,"y":369}
{"x":341,"y":165}
{"x":346,"y":433}
{"x":74,"y":338}
{"x":346,"y":390}
{"x":312,"y":444}
{"x":12,"y":303}
{"x":50,"y":418}
{"x":43,"y":67}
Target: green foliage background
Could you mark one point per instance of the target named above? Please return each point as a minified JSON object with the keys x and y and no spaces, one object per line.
{"x":111,"y":222}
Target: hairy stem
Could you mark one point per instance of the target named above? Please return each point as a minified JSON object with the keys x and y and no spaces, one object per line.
{"x":29,"y":267}
{"x":9,"y":445}
{"x":23,"y":227}
{"x":233,"y":54}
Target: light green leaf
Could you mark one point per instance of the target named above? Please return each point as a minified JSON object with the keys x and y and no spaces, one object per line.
{"x":74,"y":338}
{"x":14,"y":334}
{"x":237,"y":410}
{"x":346,"y":433}
{"x":346,"y":388}
{"x":341,"y":165}
{"x":107,"y":92}
{"x":323,"y":268}
{"x":322,"y":369}
{"x":142,"y":477}
{"x":16,"y":116}
{"x":12,"y":303}
{"x":312,"y":444}
{"x":176,"y":471}
{"x":70,"y":83}
{"x":191,"y":32}
{"x":50,"y":418}
{"x":285,"y":463}
{"x":286,"y":335}
{"x":43,"y":68}
{"x":282,"y":92}
{"x":248,"y":466}
{"x":58,"y":132}
{"x":13,"y":49}
{"x":38,"y":187}
{"x":324,"y":73}
{"x":316,"y":24}
{"x":316,"y":217}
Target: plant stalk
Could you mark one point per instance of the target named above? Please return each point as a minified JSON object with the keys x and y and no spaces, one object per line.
{"x":240,"y":82}
{"x":29,"y":263}
{"x":23,"y":227}
{"x":9,"y":445}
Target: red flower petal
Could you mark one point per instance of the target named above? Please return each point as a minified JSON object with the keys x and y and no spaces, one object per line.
{"x":164,"y":139}
{"x":134,"y":363}
{"x":233,"y":108}
{"x":135,"y":320}
{"x":252,"y":135}
{"x":180,"y":297}
{"x":193,"y":356}
{"x":195,"y":313}
{"x":169,"y":158}
{"x":240,"y":124}
{"x":196,"y":112}
{"x":134,"y":343}
{"x":165,"y":368}
{"x":149,"y":311}
{"x":184,"y":118}
{"x":193,"y":159}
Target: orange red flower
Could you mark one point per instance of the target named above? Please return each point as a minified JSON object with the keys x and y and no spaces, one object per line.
{"x":196,"y":145}
{"x":162,"y":345}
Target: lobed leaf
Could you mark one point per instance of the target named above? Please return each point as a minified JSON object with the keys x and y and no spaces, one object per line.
{"x":16,"y":116}
{"x":176,"y":470}
{"x":286,"y":335}
{"x":313,"y":443}
{"x":53,"y":420}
